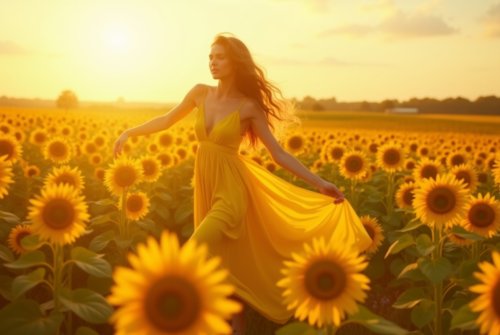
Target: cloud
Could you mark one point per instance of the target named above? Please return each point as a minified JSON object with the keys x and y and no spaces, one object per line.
{"x":11,"y":48}
{"x":396,"y":24}
{"x":325,"y":61}
{"x":491,"y":21}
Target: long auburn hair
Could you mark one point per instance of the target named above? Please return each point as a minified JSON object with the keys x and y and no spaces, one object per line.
{"x":251,"y":80}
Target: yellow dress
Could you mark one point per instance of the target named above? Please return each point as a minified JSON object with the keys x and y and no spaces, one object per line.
{"x":254,"y":220}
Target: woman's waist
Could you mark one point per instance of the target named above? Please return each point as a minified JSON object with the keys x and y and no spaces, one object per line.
{"x":218,"y":147}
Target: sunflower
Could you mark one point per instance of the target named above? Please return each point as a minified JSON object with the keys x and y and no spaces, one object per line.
{"x":10,"y":147}
{"x":99,"y":141}
{"x":405,"y":196}
{"x":374,"y":230}
{"x":457,"y":240}
{"x":496,"y":171}
{"x":166,"y":159}
{"x":31,"y":170}
{"x":66,"y":175}
{"x":67,"y":131}
{"x":324,"y":283}
{"x":59,"y":214}
{"x":353,"y":165}
{"x":409,"y":164}
{"x":391,"y":157}
{"x":16,"y":235}
{"x":136,"y":205}
{"x":367,"y":177}
{"x":440,"y":201}
{"x":153,"y":148}
{"x":165,"y":140}
{"x":482,"y":215}
{"x":172,"y":290}
{"x":90,"y":148}
{"x":335,"y":152}
{"x":408,"y":179}
{"x":372,"y":148}
{"x":295,"y":143}
{"x":99,"y":173}
{"x":151,"y":167}
{"x":95,"y":159}
{"x":488,"y":302}
{"x":58,"y":150}
{"x":6,"y":176}
{"x":38,"y":137}
{"x":124,"y":172}
{"x":467,"y":174}
{"x":427,"y":168}
{"x":456,"y":158}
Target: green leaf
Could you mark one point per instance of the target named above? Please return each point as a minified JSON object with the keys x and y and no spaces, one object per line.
{"x":375,"y":323}
{"x":6,"y":254}
{"x":412,"y":225}
{"x":454,"y":305}
{"x":463,"y":233}
{"x":99,"y":285}
{"x":423,"y":313}
{"x":87,"y":304}
{"x":22,"y":284}
{"x":9,"y":218}
{"x":164,"y":196}
{"x":435,"y":270}
{"x":465,"y":319}
{"x":409,"y":298}
{"x":402,"y":242}
{"x":394,"y":219}
{"x":296,"y":328}
{"x":100,"y":219}
{"x":27,"y":260}
{"x":85,"y":331}
{"x":31,"y":242}
{"x":104,"y":202}
{"x":5,"y":287}
{"x":411,"y":271}
{"x":123,"y":244}
{"x":147,"y":224}
{"x":187,"y":229}
{"x":91,"y":262}
{"x":101,"y":241}
{"x":24,"y":317}
{"x":397,"y":265}
{"x":182,"y":212}
{"x":161,"y":210}
{"x":425,"y":244}
{"x":376,"y":197}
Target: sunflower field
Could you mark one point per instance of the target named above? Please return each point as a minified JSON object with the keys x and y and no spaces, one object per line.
{"x":90,"y":244}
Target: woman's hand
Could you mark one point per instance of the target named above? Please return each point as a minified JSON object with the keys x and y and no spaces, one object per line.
{"x":119,"y":144}
{"x":332,"y":191}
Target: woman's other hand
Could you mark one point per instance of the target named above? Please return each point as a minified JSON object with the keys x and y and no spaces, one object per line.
{"x":119,"y":144}
{"x":332,"y":191}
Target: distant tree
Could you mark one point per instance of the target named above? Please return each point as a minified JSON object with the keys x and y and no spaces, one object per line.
{"x":67,"y":100}
{"x":317,"y":107}
{"x":387,"y":104}
{"x":365,"y":106}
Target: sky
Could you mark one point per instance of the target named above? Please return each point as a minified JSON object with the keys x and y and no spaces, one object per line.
{"x":156,"y":50}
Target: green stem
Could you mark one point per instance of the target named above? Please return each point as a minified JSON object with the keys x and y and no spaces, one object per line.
{"x":390,"y":195}
{"x":57,"y":278}
{"x":438,"y":288}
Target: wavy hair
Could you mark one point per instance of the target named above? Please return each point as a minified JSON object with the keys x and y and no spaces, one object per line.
{"x":250,"y":79}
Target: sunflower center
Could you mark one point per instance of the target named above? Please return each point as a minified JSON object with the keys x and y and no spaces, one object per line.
{"x":337,"y":153}
{"x":495,"y":298}
{"x":90,"y":148}
{"x":149,"y":168}
{"x":408,"y":196}
{"x":464,"y":176}
{"x":354,"y":164}
{"x":96,"y":159}
{"x":429,"y":171}
{"x":58,"y":214}
{"x":134,"y":203}
{"x":65,"y":179}
{"x":165,"y":159}
{"x":40,"y":138}
{"x":392,"y":157}
{"x":100,"y":174}
{"x":424,"y":151}
{"x":482,"y":177}
{"x":99,"y":141}
{"x":125,"y":176}
{"x":457,"y":160}
{"x":295,"y":142}
{"x":166,"y":140}
{"x":370,"y":231}
{"x":374,"y":147}
{"x":325,"y":280}
{"x":153,"y":147}
{"x":410,"y":165}
{"x":65,"y":131}
{"x":6,"y":149}
{"x":481,"y":215}
{"x":58,"y":149}
{"x":172,"y":304}
{"x":414,"y":147}
{"x":181,"y":152}
{"x":441,"y":200}
{"x":31,"y":172}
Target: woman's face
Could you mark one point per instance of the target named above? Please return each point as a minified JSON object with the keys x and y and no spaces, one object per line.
{"x":219,"y":63}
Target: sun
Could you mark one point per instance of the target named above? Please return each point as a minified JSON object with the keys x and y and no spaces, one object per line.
{"x":117,"y":39}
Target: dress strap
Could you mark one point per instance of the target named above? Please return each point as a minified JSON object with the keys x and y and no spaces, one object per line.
{"x":242,"y":103}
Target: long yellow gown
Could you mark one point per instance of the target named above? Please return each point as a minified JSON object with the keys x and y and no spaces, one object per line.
{"x":254,"y":220}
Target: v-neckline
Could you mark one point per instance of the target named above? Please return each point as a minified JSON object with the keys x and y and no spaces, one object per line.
{"x":204,"y":122}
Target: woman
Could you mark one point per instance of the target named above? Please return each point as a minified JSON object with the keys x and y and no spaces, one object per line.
{"x":247,"y":215}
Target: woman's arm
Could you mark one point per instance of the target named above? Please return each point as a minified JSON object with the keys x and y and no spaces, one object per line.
{"x":166,"y":121}
{"x":287,"y":160}
{"x":163,"y":122}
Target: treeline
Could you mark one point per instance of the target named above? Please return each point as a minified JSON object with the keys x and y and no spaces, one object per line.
{"x":488,"y":105}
